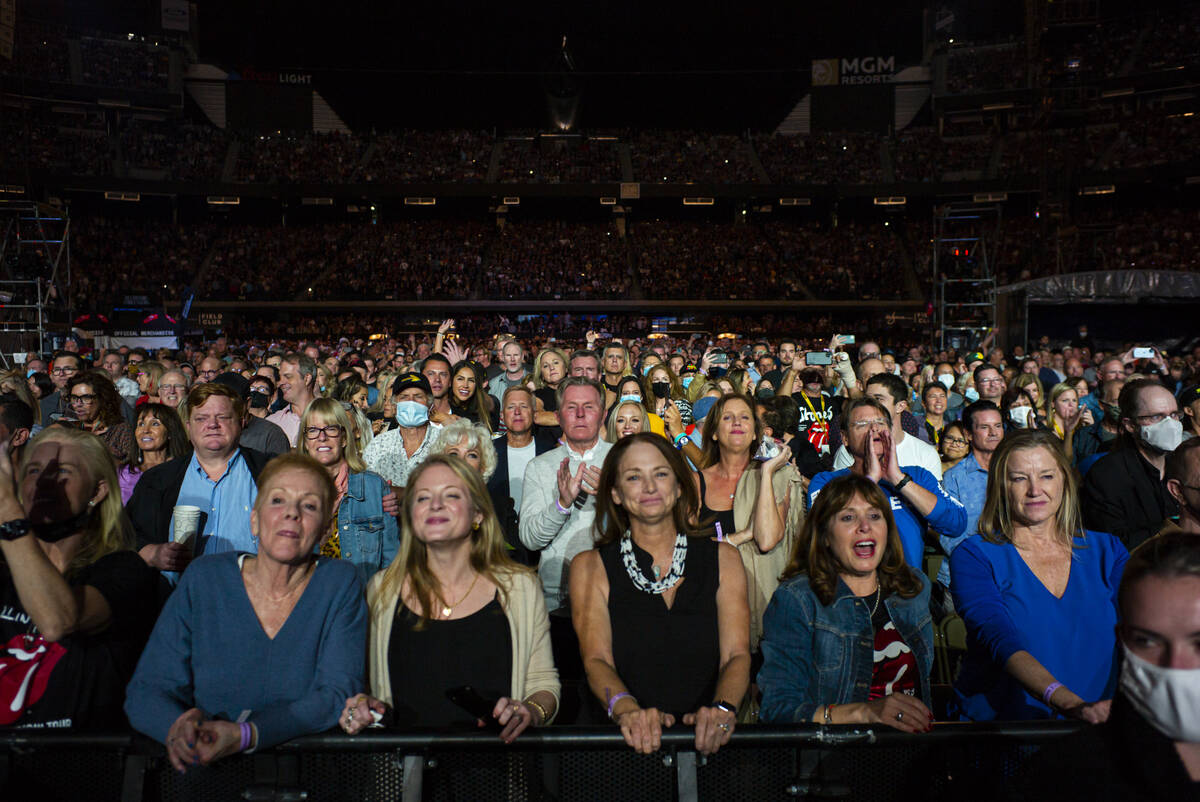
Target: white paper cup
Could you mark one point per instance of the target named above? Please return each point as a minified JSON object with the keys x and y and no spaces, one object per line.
{"x":187,"y":522}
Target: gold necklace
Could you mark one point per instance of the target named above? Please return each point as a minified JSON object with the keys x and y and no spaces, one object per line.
{"x":447,"y":609}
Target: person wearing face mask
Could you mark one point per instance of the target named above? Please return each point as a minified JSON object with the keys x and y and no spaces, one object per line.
{"x":1019,"y":411}
{"x":79,"y":603}
{"x":661,"y":389}
{"x":1124,"y":492}
{"x":1149,"y":748}
{"x":394,"y":454}
{"x":1094,"y":441}
{"x":262,"y":390}
{"x":629,"y":389}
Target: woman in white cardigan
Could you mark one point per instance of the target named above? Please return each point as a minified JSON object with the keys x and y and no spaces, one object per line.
{"x":453,"y":610}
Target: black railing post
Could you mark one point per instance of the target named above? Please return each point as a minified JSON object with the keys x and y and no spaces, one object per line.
{"x":133,"y":782}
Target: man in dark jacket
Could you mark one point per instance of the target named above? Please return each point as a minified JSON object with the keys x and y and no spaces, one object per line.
{"x":514,"y":450}
{"x":218,"y":477}
{"x":1124,"y":493}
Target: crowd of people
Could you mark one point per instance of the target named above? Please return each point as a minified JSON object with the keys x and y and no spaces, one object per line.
{"x":560,"y":160}
{"x":181,"y":152}
{"x":452,"y":531}
{"x":822,"y":158}
{"x":124,"y":63}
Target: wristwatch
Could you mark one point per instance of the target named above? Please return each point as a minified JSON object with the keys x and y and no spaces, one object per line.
{"x":14,"y":529}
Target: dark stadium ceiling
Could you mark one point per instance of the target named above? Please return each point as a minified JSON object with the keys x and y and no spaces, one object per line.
{"x":708,"y":63}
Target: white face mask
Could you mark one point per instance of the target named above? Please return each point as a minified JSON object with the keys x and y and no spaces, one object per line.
{"x":1019,"y":416}
{"x":1168,"y":698}
{"x":1166,"y":435}
{"x":947,"y":380}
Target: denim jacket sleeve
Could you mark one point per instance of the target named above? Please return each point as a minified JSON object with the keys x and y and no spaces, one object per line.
{"x":369,"y":537}
{"x":788,"y":677}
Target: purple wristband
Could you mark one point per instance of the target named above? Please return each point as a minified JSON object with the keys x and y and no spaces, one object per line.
{"x":561,"y":508}
{"x":1050,"y":689}
{"x":613,"y":701}
{"x":246,"y":735}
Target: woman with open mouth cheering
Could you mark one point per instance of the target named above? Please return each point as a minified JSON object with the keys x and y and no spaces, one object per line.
{"x":847,"y":637}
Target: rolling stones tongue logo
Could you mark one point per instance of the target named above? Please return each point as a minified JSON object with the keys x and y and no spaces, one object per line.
{"x":25,"y":666}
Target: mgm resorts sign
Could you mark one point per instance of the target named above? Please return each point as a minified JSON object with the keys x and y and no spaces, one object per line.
{"x":847,"y":71}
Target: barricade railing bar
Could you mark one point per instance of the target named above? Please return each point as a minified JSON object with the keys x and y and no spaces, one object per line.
{"x":959,"y":761}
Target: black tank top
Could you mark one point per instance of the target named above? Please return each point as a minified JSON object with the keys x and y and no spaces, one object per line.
{"x":724,"y":518}
{"x":425,"y":663}
{"x":668,"y":658}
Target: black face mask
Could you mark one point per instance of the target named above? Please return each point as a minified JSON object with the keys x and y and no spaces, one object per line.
{"x":58,"y":530}
{"x":259,"y":400}
{"x":765,"y":392}
{"x":660,"y":389}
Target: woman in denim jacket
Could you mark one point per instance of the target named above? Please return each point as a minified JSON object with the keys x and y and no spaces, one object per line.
{"x":363,"y":531}
{"x":847,"y":637}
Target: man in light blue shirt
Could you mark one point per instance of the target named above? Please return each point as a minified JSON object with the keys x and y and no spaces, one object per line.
{"x":967,"y":481}
{"x":218,"y":477}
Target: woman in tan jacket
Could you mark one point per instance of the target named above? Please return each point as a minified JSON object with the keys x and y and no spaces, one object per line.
{"x":453,"y":610}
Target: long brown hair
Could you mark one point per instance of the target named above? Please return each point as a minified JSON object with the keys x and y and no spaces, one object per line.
{"x":611,"y":518}
{"x":711,"y":450}
{"x":476,"y":403}
{"x":995,"y":522}
{"x":488,"y":554}
{"x":813,"y":556}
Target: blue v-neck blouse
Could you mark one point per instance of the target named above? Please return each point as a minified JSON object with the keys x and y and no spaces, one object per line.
{"x":1007,"y":609}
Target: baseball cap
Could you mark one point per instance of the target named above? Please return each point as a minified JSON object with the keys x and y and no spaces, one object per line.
{"x":411,"y":379}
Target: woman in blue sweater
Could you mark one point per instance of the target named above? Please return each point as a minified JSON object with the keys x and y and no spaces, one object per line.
{"x":1038,"y":593}
{"x":253,"y":650}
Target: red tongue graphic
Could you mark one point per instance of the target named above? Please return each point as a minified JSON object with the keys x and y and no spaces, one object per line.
{"x":26,"y":663}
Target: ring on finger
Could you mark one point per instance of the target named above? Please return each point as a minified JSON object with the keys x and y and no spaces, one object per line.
{"x":899,"y":717}
{"x":724,"y":726}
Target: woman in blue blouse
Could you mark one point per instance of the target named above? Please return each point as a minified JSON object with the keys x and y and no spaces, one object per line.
{"x":253,"y":650}
{"x":847,"y":637}
{"x":1038,"y":593}
{"x":361,"y":531}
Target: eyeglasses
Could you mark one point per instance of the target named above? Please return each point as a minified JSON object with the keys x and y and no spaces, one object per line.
{"x":955,"y":441}
{"x":314,"y":432}
{"x":85,"y":398}
{"x":209,"y":373}
{"x":172,"y":386}
{"x":64,"y":371}
{"x":873,"y":422}
{"x":1159,"y":417}
{"x":990,"y":381}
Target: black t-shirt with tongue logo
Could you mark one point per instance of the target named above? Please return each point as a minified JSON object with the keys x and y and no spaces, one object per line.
{"x":78,"y":681}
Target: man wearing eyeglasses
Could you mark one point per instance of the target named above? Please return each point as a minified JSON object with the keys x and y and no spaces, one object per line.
{"x":1124,"y":492}
{"x":989,"y":383}
{"x":916,"y":497}
{"x":1182,"y":476}
{"x":64,"y":366}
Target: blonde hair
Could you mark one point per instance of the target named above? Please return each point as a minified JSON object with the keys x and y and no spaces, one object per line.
{"x":996,"y":522}
{"x":333,"y":412}
{"x":488,"y":557}
{"x":476,"y":435}
{"x":538,"y":381}
{"x":1055,"y":393}
{"x":1025,"y":380}
{"x":610,"y":428}
{"x":383,"y":387}
{"x":107,"y":529}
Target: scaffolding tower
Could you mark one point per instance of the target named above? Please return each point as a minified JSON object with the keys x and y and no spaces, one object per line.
{"x":964,"y":284}
{"x":35,"y":274}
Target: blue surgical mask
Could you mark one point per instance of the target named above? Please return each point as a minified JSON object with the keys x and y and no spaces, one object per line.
{"x":411,"y":414}
{"x":633,"y":399}
{"x":971,"y":394}
{"x":947,"y":380}
{"x":686,"y":380}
